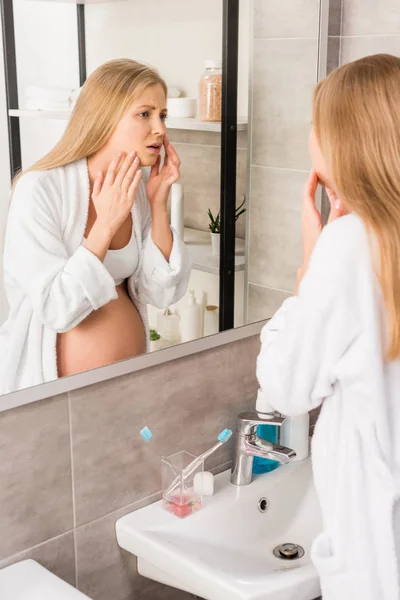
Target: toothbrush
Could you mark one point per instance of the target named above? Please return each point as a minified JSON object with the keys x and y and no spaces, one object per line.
{"x":191,"y":467}
{"x":146,"y":435}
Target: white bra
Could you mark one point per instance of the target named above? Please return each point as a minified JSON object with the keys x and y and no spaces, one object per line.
{"x":122,"y":263}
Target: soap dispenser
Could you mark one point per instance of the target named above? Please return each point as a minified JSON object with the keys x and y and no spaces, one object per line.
{"x":269,"y":433}
{"x":294,"y":432}
{"x":295,"y":435}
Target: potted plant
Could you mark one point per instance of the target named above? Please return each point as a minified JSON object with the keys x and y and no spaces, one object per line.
{"x":155,"y":340}
{"x":215,"y":226}
{"x":215,"y":230}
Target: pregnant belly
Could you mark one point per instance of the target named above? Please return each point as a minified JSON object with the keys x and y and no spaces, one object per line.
{"x":113,"y":332}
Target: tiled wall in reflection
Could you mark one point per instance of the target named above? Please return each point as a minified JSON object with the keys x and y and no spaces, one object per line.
{"x":200,"y":155}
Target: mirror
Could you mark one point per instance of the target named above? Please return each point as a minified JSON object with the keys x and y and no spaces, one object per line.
{"x":273,"y":115}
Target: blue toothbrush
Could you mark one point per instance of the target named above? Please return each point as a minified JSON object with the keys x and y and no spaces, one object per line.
{"x":146,"y":434}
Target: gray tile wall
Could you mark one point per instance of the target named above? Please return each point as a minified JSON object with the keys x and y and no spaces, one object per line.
{"x":285,"y":53}
{"x":369,"y":27}
{"x":359,"y":28}
{"x":73,"y":464}
{"x":333,"y":58}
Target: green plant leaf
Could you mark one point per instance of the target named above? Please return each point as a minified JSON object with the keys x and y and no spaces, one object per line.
{"x":214,"y":225}
{"x":238,"y":215}
{"x":239,"y":207}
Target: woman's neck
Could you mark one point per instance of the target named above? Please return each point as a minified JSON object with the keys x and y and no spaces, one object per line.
{"x":100,"y":161}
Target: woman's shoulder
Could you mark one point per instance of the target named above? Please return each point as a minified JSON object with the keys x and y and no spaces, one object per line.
{"x":40,"y":192}
{"x":345,"y":234}
{"x":42,"y":183}
{"x":30,"y":180}
{"x":42,"y":176}
{"x":30,"y":190}
{"x":342,"y":248}
{"x":36,"y":180}
{"x":347,"y":224}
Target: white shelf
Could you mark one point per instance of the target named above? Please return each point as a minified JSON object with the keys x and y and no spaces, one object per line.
{"x":40,"y":114}
{"x":188,"y":124}
{"x":199,"y":245}
{"x":197,"y":125}
{"x":82,"y":1}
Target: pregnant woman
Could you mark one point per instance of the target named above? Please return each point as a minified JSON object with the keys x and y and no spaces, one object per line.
{"x":88,"y":242}
{"x":336,"y":343}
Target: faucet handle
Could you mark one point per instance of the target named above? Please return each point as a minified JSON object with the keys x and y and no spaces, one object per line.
{"x":247,"y":422}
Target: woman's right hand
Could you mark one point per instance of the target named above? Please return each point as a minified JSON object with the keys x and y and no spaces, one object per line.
{"x":113,"y":195}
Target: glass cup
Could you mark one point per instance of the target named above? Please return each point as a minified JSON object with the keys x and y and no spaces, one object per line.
{"x":179,"y":497}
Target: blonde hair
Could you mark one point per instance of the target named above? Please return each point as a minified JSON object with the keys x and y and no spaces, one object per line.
{"x":103,"y":100}
{"x":356,"y":118}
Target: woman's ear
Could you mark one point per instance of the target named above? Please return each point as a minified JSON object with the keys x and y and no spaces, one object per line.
{"x":337,"y":208}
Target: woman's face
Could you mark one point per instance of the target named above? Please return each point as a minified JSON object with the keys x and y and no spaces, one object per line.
{"x":318,"y":161}
{"x":142,"y":128}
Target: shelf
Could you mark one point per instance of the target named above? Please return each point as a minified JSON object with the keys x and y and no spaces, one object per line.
{"x":197,"y":125}
{"x":82,"y":1}
{"x":172,"y":123}
{"x":40,"y":114}
{"x":199,"y":246}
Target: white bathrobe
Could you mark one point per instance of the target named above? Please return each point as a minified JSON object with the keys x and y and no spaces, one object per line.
{"x":53,"y":282}
{"x":325,"y":347}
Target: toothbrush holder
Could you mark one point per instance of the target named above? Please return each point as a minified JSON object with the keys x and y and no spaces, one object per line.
{"x":181,"y":500}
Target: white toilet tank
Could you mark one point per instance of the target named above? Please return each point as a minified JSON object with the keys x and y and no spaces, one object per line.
{"x":27,"y":580}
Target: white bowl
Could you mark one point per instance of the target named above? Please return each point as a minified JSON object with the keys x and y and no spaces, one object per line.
{"x":182,"y":108}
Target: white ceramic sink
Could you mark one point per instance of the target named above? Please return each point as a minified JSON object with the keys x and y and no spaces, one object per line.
{"x":225,"y":550}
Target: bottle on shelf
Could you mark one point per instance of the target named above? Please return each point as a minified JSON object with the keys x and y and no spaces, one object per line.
{"x":191,"y":319}
{"x":211,"y":320}
{"x":168,"y":326}
{"x":210,"y":92}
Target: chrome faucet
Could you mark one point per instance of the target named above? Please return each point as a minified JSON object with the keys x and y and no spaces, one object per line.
{"x":248,"y":445}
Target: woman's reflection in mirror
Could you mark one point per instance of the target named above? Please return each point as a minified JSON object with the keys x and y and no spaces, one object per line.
{"x":88,"y":242}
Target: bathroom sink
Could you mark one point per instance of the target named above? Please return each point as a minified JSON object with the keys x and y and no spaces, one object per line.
{"x":225,"y":550}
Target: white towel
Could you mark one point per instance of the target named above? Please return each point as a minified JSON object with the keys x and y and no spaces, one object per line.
{"x":174,"y":92}
{"x":41,"y":98}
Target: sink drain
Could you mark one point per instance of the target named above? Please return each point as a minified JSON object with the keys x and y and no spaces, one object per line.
{"x":263,"y":505}
{"x":289,"y":551}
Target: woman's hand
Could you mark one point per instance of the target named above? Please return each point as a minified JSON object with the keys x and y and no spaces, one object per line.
{"x":311,"y":223}
{"x":160,"y":181}
{"x":113,"y":196}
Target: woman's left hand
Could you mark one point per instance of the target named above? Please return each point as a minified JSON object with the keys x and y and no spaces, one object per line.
{"x":311,"y":223}
{"x":160,"y":181}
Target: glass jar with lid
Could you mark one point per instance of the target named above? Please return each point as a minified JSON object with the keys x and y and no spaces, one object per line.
{"x":210,"y":91}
